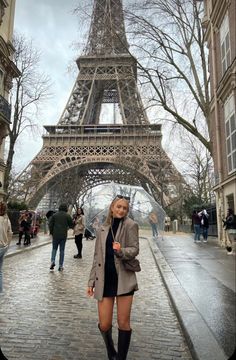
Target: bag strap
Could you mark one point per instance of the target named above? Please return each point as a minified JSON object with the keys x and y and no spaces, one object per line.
{"x":112,"y":233}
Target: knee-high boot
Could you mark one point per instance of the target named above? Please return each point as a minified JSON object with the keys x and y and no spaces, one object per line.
{"x":2,"y":357}
{"x":107,"y":337}
{"x":124,"y":337}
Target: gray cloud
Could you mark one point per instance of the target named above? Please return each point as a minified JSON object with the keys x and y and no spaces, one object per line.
{"x":53,"y":28}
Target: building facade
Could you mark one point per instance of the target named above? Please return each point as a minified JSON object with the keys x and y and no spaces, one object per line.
{"x":220,"y":30}
{"x":7,"y":72}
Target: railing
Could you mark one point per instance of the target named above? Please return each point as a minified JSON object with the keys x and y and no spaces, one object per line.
{"x":5,"y":109}
{"x":103,"y":129}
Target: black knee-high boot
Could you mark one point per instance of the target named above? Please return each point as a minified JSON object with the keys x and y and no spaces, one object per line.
{"x":124,"y":337}
{"x":107,"y":337}
{"x":2,"y":357}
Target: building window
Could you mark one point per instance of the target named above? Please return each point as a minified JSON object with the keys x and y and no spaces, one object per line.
{"x":225,"y":44}
{"x":230,"y":127}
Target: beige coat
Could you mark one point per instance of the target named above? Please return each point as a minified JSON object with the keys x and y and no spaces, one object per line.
{"x":5,"y":231}
{"x":79,"y":225}
{"x":127,"y":235}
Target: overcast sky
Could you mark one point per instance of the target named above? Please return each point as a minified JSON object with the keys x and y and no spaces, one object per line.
{"x":53,"y":28}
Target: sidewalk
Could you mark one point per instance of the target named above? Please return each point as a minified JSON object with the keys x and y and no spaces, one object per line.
{"x":200,"y":279}
{"x":40,"y":240}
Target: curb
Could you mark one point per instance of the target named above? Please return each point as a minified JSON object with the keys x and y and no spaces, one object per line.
{"x":200,"y":340}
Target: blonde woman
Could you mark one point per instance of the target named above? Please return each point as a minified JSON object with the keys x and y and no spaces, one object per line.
{"x":117,"y":240}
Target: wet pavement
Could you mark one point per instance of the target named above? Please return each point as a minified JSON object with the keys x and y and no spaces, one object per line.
{"x":200,"y":278}
{"x":47,"y":316}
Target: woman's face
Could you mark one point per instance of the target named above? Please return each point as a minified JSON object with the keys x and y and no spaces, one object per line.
{"x":120,"y":208}
{"x":79,"y":211}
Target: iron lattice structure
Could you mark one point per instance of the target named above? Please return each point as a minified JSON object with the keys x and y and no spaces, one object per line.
{"x":81,"y":151}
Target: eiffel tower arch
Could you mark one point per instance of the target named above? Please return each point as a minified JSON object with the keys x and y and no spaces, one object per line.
{"x":83,"y":150}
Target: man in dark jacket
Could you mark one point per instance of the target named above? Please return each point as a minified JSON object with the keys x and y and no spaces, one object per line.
{"x":59,"y":224}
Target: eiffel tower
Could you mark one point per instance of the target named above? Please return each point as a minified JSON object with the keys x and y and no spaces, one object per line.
{"x":83,"y":150}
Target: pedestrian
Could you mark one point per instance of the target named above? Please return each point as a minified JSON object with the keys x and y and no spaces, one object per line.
{"x":21,"y":228}
{"x":230,"y":227}
{"x":48,"y":216}
{"x":27,"y":226}
{"x":79,"y":226}
{"x":196,"y":223}
{"x":5,"y":239}
{"x":204,"y":217}
{"x":167,"y":223}
{"x":59,"y":224}
{"x":153,"y":220}
{"x":117,"y":240}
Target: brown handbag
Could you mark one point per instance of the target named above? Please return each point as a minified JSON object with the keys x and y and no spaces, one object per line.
{"x":132,"y":265}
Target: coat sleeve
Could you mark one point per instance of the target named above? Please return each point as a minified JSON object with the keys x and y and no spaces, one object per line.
{"x":130,"y":249}
{"x":91,"y":282}
{"x":70,"y":222}
{"x":83,"y":221}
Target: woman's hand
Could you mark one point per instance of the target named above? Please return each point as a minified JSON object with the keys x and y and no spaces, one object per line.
{"x":116,"y":246}
{"x":90,"y":291}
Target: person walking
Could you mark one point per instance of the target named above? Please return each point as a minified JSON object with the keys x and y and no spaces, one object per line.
{"x":204,"y":217}
{"x":196,"y":222}
{"x":79,"y":226}
{"x":5,"y":239}
{"x":21,"y":229}
{"x":230,"y":227}
{"x":167,"y":223}
{"x":153,"y":222}
{"x":27,"y":224}
{"x":117,"y":240}
{"x":59,"y":224}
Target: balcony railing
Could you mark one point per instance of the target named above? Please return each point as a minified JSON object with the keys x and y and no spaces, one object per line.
{"x":5,"y":109}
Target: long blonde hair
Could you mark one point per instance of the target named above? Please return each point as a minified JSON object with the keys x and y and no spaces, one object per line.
{"x":109,"y":217}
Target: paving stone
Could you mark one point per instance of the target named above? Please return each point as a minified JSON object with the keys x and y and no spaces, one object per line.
{"x":47,"y":316}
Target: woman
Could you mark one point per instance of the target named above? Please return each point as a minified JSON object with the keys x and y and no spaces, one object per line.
{"x":5,"y":239}
{"x":5,"y":236}
{"x":153,"y":222}
{"x":79,"y":226}
{"x":117,"y":240}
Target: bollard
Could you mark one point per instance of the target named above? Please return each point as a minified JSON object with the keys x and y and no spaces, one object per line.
{"x":175,"y":226}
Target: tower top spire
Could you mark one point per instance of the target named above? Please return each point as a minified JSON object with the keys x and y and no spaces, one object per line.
{"x":107,"y":29}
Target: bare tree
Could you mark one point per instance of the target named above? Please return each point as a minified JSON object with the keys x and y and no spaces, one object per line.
{"x":29,"y":90}
{"x":169,"y":39}
{"x":199,"y":170}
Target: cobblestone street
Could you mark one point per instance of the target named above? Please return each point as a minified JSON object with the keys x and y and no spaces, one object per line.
{"x":47,"y":316}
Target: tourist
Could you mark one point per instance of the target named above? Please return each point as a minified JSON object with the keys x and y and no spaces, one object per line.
{"x":109,"y":280}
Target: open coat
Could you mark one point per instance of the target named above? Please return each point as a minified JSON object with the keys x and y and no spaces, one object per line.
{"x":127,"y":235}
